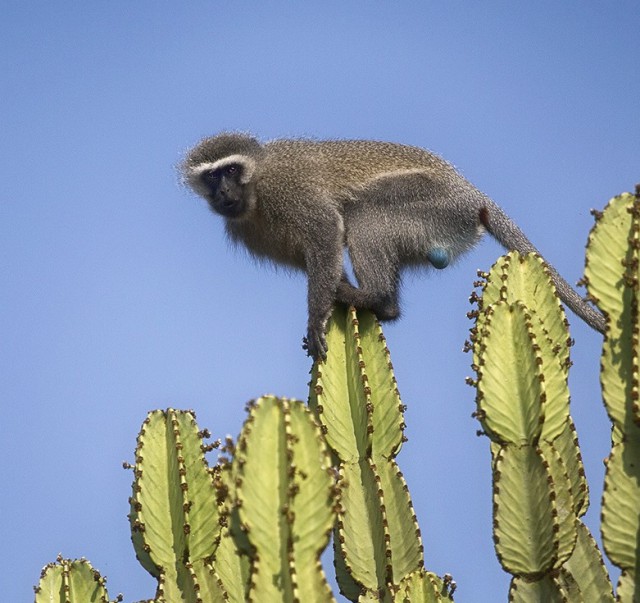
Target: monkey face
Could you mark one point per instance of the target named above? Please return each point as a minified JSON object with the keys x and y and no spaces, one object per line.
{"x":225,"y":191}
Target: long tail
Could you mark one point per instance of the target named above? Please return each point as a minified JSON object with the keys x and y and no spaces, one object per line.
{"x":505,"y":231}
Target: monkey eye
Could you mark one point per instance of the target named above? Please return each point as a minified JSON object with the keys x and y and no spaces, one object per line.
{"x":231,"y":170}
{"x":210,"y":177}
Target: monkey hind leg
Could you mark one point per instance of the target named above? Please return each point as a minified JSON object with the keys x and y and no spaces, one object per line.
{"x":377,"y":276}
{"x":385,"y":308}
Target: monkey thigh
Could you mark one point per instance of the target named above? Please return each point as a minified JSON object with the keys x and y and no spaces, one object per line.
{"x":376,"y":268}
{"x":414,"y":218}
{"x":395,"y":221}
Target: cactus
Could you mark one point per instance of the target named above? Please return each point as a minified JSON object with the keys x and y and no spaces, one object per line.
{"x":71,"y":581}
{"x":175,"y":514}
{"x":378,"y":548}
{"x":612,"y":279}
{"x":253,"y":528}
{"x":520,"y":355}
{"x":283,"y":497}
{"x":276,"y":500}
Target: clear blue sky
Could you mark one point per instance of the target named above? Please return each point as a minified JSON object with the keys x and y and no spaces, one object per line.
{"x":119,"y":294}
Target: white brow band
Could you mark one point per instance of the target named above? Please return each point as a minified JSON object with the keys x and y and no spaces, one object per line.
{"x":247,"y":163}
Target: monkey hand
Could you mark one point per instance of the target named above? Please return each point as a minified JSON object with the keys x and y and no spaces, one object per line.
{"x":315,"y":344}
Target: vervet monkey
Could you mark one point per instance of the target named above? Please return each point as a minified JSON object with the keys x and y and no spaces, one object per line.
{"x":301,"y":202}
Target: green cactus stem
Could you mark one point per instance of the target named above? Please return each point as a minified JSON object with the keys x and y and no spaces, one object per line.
{"x":612,"y":275}
{"x":517,"y":278}
{"x":520,"y":355}
{"x":284,"y":497}
{"x":175,"y":515}
{"x":71,"y":581}
{"x":354,"y":393}
{"x":612,"y":278}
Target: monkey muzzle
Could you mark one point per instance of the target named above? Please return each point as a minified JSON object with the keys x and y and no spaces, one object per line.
{"x":227,"y":205}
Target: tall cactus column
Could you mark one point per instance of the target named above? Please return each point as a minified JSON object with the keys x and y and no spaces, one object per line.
{"x":283,"y":502}
{"x":175,"y":514}
{"x":378,"y":552}
{"x":613,"y":281}
{"x":521,"y":358}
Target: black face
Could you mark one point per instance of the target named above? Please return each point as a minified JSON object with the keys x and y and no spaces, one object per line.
{"x":226,"y":194}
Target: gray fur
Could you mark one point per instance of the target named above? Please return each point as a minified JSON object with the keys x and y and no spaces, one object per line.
{"x":301,"y":202}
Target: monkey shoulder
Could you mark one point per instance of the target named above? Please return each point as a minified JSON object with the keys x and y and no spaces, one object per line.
{"x":289,"y":180}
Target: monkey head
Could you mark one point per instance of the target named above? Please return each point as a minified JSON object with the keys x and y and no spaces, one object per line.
{"x":221,"y":170}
